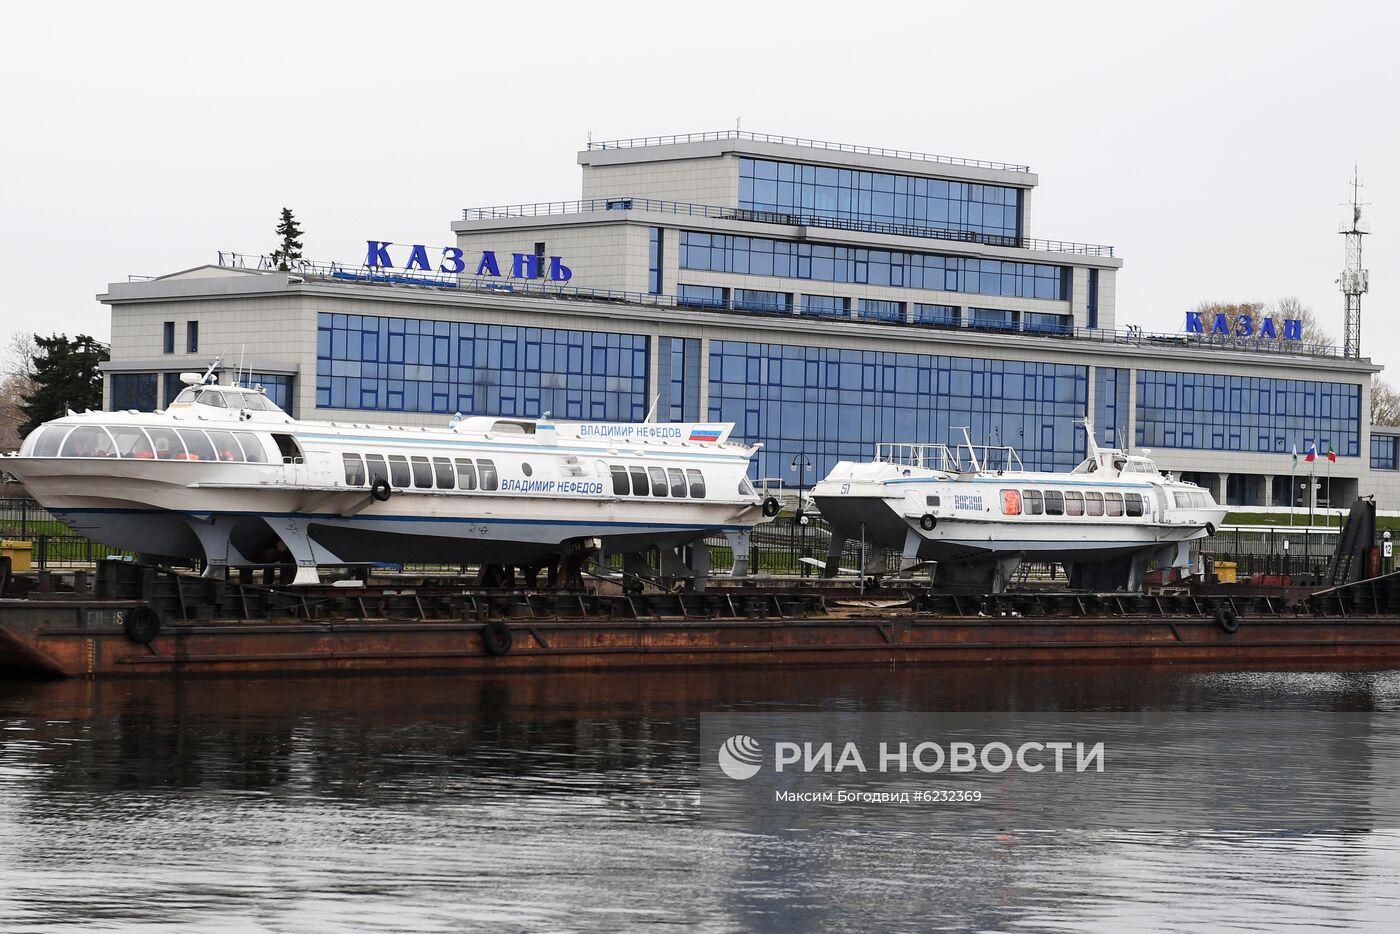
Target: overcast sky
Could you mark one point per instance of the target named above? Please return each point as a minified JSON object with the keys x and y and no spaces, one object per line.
{"x":1211,"y":143}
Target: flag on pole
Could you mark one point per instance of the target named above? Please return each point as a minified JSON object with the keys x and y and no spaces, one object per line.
{"x":1331,"y":454}
{"x":1295,"y":457}
{"x":1312,"y":452}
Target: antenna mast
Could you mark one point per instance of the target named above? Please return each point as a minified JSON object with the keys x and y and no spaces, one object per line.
{"x":1354,"y":280}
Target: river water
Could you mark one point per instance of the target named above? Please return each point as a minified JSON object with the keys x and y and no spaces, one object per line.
{"x":570,"y":802}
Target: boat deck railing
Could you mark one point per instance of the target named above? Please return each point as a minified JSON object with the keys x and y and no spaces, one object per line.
{"x":960,"y":459}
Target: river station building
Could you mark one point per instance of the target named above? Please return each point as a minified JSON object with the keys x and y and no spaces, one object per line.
{"x":823,"y":297}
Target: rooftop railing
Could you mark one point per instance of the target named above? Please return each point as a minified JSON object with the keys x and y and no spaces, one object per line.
{"x":720,"y":135}
{"x":556,"y":208}
{"x":531,"y":288}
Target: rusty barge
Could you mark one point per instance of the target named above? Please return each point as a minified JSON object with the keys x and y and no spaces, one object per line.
{"x":133,"y":620}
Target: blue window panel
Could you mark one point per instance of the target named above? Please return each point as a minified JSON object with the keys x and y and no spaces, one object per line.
{"x":820,"y":263}
{"x":830,"y":404}
{"x":702,"y":296}
{"x":1384,"y":452}
{"x":133,"y":391}
{"x":877,"y":310}
{"x":1245,"y":413}
{"x":569,"y":373}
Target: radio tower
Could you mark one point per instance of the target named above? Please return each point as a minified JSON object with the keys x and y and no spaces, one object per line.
{"x":1354,"y":280}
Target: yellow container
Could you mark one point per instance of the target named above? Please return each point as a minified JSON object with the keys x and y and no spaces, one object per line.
{"x":1225,"y":571}
{"x":18,"y":553}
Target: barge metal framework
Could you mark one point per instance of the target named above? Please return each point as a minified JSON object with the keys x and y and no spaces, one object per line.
{"x":142,"y":620}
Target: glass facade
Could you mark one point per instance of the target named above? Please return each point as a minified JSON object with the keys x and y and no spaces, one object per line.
{"x":170,"y":388}
{"x":759,"y":300}
{"x":944,"y":315}
{"x":879,"y":197}
{"x":876,"y":310}
{"x":1383,"y":452}
{"x":991,"y":319}
{"x":678,"y":379}
{"x":826,"y":306}
{"x":761,"y":256}
{"x":133,"y":391}
{"x":1111,"y":387}
{"x":422,"y":365}
{"x":703,"y":296}
{"x":1035,"y":322}
{"x":1091,"y":312}
{"x":654,"y":259}
{"x":830,"y":404}
{"x":1258,"y":414}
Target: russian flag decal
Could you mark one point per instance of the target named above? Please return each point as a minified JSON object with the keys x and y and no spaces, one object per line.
{"x":704,"y":433}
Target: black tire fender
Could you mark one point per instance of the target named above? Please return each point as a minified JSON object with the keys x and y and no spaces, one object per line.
{"x":141,"y":625}
{"x":1210,"y":530}
{"x":380,"y":491}
{"x":928,"y":522}
{"x":496,"y":638}
{"x":1227,"y":619}
{"x":771,"y":506}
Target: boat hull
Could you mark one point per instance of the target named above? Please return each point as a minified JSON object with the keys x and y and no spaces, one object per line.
{"x":239,"y":514}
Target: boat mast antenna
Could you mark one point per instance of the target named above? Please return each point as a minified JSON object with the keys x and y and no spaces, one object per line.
{"x":210,"y":372}
{"x":971,"y":454}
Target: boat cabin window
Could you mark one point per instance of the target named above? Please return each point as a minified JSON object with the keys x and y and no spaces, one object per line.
{"x":1074,"y":503}
{"x":745,"y":488}
{"x":225,"y":445}
{"x":442,"y":472}
{"x":1054,"y":503}
{"x":399,"y":477}
{"x":697,"y":483}
{"x":639,"y":481}
{"x":186,"y":397}
{"x":619,"y":481}
{"x":1093,"y":504}
{"x":167,"y":444}
{"x":256,"y":402}
{"x":132,"y":442}
{"x":212,"y":397}
{"x":658,"y":481}
{"x":89,"y":441}
{"x":354,"y":470}
{"x":422,"y":473}
{"x":1113,"y":504}
{"x":1033,"y":502}
{"x":289,"y":449}
{"x":677,"y":479}
{"x":252,"y":447}
{"x":376,"y":468}
{"x":1183,"y":500}
{"x":51,"y":439}
{"x":197,"y":444}
{"x":931,"y":501}
{"x":466,"y":474}
{"x":1010,"y":502}
{"x":489,"y":479}
{"x":1133,"y":503}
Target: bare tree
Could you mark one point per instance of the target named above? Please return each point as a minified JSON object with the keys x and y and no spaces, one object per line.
{"x":1385,"y":403}
{"x":16,"y":384}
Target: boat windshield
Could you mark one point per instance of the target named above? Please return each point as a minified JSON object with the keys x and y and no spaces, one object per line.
{"x":186,"y":397}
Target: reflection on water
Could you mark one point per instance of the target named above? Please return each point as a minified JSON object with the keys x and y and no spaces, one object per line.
{"x":569,"y":802}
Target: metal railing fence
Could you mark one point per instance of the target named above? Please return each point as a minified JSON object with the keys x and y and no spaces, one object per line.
{"x":721,"y":135}
{"x":790,"y":219}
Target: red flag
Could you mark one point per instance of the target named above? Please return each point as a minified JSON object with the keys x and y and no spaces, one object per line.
{"x":1331,"y":454}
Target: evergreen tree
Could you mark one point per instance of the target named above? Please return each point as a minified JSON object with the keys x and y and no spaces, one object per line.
{"x":290,"y":250}
{"x":65,"y":377}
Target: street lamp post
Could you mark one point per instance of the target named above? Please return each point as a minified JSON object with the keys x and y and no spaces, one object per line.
{"x":801,"y":465}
